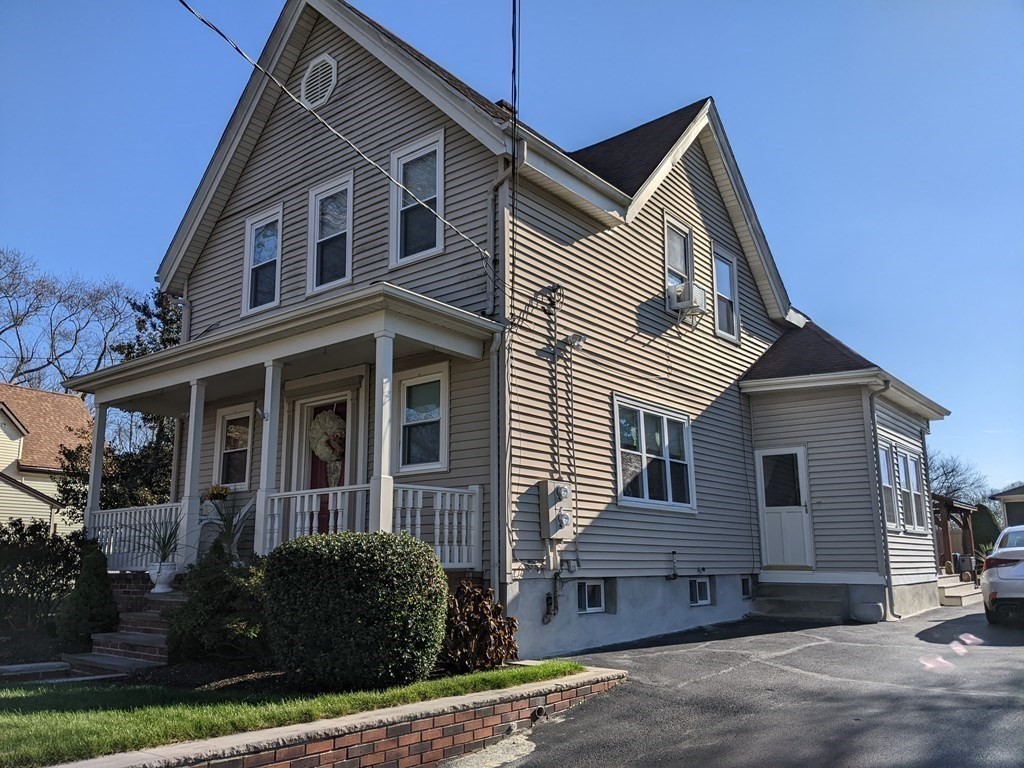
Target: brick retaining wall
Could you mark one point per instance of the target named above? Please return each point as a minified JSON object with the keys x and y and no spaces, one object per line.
{"x":400,"y":737}
{"x":130,"y":588}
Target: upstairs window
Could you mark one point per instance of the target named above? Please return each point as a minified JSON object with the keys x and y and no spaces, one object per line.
{"x":233,"y":447}
{"x":330,"y":240}
{"x":727,"y":322}
{"x":423,"y":419}
{"x":654,"y":450}
{"x":415,"y":231}
{"x":888,"y":485}
{"x":262,"y":260}
{"x":911,"y":495}
{"x":678,"y":253}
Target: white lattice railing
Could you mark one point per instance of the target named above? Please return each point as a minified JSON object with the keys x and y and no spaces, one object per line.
{"x":123,"y":534}
{"x":448,"y":519}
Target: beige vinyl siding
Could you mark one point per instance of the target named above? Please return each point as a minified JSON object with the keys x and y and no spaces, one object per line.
{"x":17,"y":504}
{"x":378,"y":111}
{"x":10,"y":448}
{"x":910,"y":552}
{"x":614,"y":294}
{"x":831,"y":425}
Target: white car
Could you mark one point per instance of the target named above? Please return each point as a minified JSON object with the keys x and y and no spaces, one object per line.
{"x":1002,"y":580}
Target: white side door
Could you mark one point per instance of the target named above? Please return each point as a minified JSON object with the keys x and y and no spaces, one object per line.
{"x":783,"y":505}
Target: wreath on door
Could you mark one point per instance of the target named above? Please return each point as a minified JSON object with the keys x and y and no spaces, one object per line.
{"x":327,"y":441}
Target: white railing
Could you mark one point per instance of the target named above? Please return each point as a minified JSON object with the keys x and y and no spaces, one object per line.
{"x":448,"y":519}
{"x":124,"y":534}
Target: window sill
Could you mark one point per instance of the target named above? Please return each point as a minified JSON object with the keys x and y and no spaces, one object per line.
{"x":261,"y":308}
{"x":426,"y":469}
{"x":395,"y":262}
{"x":327,"y":287}
{"x":731,"y":339}
{"x":657,"y":506}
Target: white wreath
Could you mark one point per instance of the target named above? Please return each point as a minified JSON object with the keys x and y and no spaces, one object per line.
{"x":327,"y":436}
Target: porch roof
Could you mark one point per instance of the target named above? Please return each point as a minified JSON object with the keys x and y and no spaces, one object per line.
{"x":427,"y":323}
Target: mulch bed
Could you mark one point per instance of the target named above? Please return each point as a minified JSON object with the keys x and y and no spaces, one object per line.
{"x":237,"y":677}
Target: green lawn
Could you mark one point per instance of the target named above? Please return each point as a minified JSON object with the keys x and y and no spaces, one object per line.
{"x":47,"y":724}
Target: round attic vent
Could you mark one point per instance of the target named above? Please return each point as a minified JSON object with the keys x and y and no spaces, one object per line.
{"x":319,"y":80}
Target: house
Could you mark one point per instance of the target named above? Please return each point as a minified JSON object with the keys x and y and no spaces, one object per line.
{"x":1013,"y":504}
{"x":33,"y":426}
{"x":583,"y":380}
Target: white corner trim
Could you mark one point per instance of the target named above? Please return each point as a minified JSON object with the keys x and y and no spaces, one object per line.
{"x":433,"y":142}
{"x":313,"y":231}
{"x":820,"y":577}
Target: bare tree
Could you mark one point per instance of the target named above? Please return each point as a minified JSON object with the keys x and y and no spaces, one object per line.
{"x":53,"y":328}
{"x":957,"y":478}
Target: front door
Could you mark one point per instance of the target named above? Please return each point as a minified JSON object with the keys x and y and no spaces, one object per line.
{"x":326,"y":443}
{"x":786,"y":540}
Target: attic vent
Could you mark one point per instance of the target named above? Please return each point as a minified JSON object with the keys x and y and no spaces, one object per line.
{"x":319,"y":80}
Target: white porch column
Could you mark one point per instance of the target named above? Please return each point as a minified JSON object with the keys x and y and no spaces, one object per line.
{"x":382,"y":485}
{"x":269,"y":459}
{"x":188,"y":535}
{"x":99,"y":439}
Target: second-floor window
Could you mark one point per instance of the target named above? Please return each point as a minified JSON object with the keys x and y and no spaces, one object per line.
{"x":727,"y":322}
{"x":330,"y":239}
{"x":415,"y":231}
{"x":654,"y":455}
{"x":678,"y":259}
{"x":262,"y":260}
{"x":911,"y":494}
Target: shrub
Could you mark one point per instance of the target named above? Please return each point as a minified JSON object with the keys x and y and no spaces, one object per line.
{"x":223,"y":615}
{"x":91,"y":606}
{"x":477,"y":634}
{"x":37,"y":571}
{"x":355,"y":610}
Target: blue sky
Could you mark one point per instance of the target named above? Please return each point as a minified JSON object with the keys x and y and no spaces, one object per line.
{"x":881,"y":143}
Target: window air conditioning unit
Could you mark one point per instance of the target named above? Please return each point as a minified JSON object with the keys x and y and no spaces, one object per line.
{"x":688,"y":298}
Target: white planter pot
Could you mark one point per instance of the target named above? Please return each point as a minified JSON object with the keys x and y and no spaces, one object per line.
{"x":162,"y":574}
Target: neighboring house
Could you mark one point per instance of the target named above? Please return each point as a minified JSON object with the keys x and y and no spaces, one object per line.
{"x":618,"y":419}
{"x":1013,"y":504}
{"x":33,"y":426}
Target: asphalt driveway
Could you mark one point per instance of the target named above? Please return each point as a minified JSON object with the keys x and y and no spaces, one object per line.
{"x":939,"y":689}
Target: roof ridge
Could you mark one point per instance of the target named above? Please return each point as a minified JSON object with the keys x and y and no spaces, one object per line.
{"x":40,"y":391}
{"x":643,"y":125}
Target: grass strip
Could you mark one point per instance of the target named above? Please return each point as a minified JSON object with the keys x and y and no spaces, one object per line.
{"x":47,"y":724}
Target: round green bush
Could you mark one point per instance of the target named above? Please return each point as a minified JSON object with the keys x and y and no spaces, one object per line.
{"x":352,"y":611}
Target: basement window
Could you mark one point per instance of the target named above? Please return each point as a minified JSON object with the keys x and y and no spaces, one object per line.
{"x":590,"y":596}
{"x":746,"y":587}
{"x":700,"y":590}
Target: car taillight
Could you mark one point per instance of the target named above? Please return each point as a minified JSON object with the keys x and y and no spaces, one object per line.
{"x":998,"y":562}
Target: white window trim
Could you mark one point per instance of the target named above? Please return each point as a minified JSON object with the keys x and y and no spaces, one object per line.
{"x":888,"y":450}
{"x":398,"y":157}
{"x":223,"y":414}
{"x":628,"y":501}
{"x":402,"y":382}
{"x":313,"y":228}
{"x":909,"y":516}
{"x":721,"y":253}
{"x":706,"y":580}
{"x":669,"y":220}
{"x":583,"y":609}
{"x":265,"y":216}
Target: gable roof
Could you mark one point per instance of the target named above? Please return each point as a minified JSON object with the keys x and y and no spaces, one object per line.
{"x":807,"y":351}
{"x":47,"y":417}
{"x":30,"y":491}
{"x":1016,"y":491}
{"x":628,"y":159}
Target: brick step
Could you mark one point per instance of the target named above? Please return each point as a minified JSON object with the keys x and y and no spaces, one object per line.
{"x":971,"y":598}
{"x":104,"y":664}
{"x":143,"y":622}
{"x":131,"y":645}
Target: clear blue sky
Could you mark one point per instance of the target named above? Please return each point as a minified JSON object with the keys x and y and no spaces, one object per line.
{"x":882,"y":143}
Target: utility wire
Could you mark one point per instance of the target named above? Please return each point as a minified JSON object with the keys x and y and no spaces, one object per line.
{"x":482,"y":251}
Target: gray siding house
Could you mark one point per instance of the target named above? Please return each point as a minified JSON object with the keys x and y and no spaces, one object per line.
{"x":582,"y":381}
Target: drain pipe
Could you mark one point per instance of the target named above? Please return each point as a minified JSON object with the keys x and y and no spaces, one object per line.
{"x":497,"y":491}
{"x":886,"y":384}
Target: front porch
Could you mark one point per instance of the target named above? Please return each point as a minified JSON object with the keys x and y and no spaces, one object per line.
{"x":372,"y":414}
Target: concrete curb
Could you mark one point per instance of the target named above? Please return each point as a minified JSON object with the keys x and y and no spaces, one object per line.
{"x":453,"y":718}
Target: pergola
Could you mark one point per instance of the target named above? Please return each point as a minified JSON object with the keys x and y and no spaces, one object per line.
{"x":946,"y":509}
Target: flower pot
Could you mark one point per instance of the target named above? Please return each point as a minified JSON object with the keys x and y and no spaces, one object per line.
{"x":162,"y":574}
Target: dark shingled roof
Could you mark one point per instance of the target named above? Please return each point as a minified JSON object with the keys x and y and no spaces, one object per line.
{"x":629,"y":159}
{"x":807,"y":351}
{"x":1009,"y":492}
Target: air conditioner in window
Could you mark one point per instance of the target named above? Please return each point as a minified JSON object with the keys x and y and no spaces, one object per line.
{"x":688,"y":299}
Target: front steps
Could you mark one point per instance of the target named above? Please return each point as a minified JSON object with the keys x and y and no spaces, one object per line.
{"x":954,"y":592}
{"x":816,"y":602}
{"x":139,"y":643}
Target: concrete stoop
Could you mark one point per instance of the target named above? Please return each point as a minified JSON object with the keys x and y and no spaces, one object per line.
{"x":802,"y":601}
{"x":953,"y":592}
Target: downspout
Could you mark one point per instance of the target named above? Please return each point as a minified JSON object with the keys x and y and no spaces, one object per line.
{"x":886,"y":384}
{"x":186,"y":315}
{"x":492,"y":204}
{"x":497,"y":489}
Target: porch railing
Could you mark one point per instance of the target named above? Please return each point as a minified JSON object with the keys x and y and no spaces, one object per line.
{"x":447,"y":518}
{"x":123,"y":534}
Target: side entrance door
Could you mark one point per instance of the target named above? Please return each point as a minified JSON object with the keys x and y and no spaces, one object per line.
{"x":786,"y":540}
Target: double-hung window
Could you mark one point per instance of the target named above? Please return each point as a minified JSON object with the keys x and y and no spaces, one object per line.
{"x":416,"y":232}
{"x":911,"y":494}
{"x":233,"y":444}
{"x":423,"y":419}
{"x":727,"y":316}
{"x":654,"y":451}
{"x":678,"y":252}
{"x":330,"y":234}
{"x":887,"y":477}
{"x":262,"y":260}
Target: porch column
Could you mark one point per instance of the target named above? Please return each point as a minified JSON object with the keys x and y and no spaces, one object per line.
{"x":269,"y":459}
{"x":188,"y":535}
{"x":99,"y":439}
{"x":382,"y":485}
